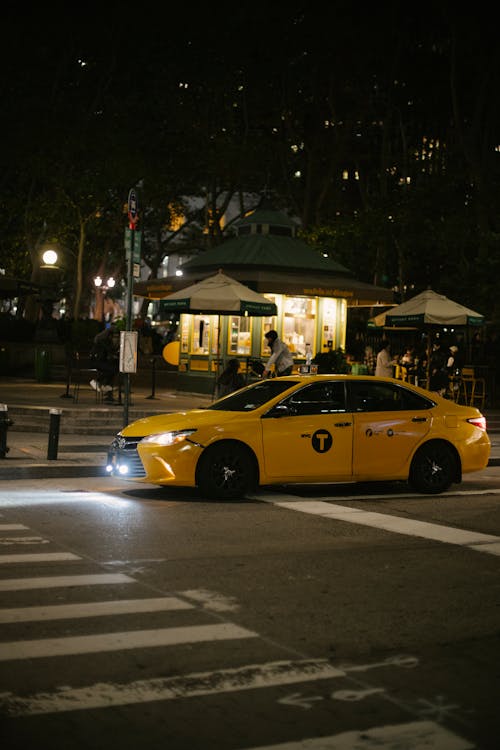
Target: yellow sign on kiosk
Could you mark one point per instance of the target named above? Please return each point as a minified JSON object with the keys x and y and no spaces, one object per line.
{"x":171,"y":353}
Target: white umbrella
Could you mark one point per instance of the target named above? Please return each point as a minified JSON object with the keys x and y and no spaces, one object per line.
{"x":428,"y":308}
{"x":219,"y":295}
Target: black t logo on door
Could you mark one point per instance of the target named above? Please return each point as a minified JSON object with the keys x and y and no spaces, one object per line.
{"x":322,"y":441}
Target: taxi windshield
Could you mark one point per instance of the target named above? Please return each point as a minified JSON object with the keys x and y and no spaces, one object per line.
{"x":254,"y":396}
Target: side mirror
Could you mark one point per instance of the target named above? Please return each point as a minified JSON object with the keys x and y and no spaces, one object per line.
{"x":280,"y":410}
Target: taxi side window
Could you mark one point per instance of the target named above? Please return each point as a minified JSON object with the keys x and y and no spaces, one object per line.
{"x":373,"y":396}
{"x":318,"y":398}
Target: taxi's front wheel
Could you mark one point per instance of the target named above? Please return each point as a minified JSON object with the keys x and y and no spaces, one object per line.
{"x":226,"y":471}
{"x":433,"y":469}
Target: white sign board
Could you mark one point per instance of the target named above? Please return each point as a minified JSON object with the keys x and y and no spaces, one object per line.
{"x":128,"y":351}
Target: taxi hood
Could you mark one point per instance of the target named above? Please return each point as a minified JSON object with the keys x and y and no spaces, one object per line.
{"x":182,"y":420}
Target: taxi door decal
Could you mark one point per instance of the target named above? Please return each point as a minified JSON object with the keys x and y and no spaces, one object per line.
{"x":321,"y":441}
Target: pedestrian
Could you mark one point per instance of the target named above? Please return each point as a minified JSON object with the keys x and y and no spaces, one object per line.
{"x":369,"y":360}
{"x":231,"y":379}
{"x":385,"y":363}
{"x":281,"y":356}
{"x":438,"y":374}
{"x":104,"y":354}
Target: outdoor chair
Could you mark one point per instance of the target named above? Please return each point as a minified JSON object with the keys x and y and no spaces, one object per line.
{"x":473,"y":389}
{"x":83,"y":371}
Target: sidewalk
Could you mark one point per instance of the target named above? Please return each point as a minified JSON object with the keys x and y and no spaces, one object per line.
{"x":77,"y":455}
{"x":80,"y":455}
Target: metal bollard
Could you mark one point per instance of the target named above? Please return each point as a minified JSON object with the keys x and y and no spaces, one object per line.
{"x":153,"y":378}
{"x":5,"y":423}
{"x":55,"y":420}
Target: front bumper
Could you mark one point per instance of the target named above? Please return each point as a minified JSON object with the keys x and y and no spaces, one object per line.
{"x":123,"y":458}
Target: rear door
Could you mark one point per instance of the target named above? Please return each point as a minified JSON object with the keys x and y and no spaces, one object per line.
{"x":389,"y":421}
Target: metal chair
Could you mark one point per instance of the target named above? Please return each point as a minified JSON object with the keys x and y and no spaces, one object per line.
{"x":473,"y":389}
{"x":83,"y":371}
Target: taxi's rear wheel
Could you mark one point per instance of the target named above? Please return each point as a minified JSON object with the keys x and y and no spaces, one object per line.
{"x":433,"y":469}
{"x":226,"y":471}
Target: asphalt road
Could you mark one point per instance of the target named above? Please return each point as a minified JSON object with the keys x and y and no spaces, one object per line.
{"x":339,"y":618}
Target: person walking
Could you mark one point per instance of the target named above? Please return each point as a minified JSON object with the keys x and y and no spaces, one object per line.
{"x":438,"y":374}
{"x":281,"y":357}
{"x":105,"y":355}
{"x":385,"y":363}
{"x":230,"y":379}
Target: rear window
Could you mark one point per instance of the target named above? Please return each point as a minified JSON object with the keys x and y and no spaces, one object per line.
{"x":372,"y":395}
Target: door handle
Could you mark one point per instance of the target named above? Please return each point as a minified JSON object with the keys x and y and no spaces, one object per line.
{"x":342,"y":424}
{"x":419,"y":419}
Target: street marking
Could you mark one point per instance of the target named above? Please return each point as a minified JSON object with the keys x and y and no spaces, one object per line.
{"x":355,"y":695}
{"x":12,"y":527}
{"x":92,"y":609}
{"x":10,"y":541}
{"x":298,"y":700}
{"x":474,"y":540}
{"x":417,"y":735}
{"x":51,"y":582}
{"x":94,"y":644}
{"x":106,"y":695}
{"x":38,"y":557}
{"x":212,"y":600}
{"x":407,"y":662}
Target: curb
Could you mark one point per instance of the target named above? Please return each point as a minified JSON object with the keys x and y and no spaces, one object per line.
{"x":50,"y":472}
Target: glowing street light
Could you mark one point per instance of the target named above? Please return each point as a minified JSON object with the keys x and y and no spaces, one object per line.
{"x":101,"y":288}
{"x":49,"y":259}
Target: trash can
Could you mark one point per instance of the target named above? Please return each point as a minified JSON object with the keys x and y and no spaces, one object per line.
{"x":42,"y":365}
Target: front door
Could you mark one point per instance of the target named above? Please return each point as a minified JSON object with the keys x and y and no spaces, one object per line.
{"x":312,"y":439}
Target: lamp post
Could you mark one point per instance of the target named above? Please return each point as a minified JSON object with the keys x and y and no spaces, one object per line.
{"x":50,"y":279}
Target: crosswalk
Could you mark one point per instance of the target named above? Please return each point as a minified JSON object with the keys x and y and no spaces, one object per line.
{"x":68,"y":609}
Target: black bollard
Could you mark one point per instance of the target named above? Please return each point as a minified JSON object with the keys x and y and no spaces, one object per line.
{"x":67,"y":394}
{"x":55,"y":420}
{"x":153,"y":378}
{"x":5,"y":423}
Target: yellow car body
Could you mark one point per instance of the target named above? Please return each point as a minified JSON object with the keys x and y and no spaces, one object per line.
{"x":307,"y":429}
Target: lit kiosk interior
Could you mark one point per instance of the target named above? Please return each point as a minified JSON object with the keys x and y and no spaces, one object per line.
{"x":312,"y":294}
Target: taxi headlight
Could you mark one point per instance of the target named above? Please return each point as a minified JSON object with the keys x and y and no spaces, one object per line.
{"x":168,"y":438}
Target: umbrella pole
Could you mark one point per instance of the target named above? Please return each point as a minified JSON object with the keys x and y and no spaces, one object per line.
{"x":217,"y":360}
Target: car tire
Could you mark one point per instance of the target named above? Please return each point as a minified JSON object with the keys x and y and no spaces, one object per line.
{"x":226,"y":472}
{"x":433,"y":469}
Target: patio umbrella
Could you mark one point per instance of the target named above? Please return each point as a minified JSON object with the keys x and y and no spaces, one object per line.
{"x":219,"y":295}
{"x":428,"y":311}
{"x":429,"y":308}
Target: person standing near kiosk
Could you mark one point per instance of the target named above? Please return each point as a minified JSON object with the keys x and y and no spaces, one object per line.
{"x":281,"y":357}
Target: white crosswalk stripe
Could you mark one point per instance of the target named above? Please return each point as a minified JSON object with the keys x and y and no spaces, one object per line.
{"x":94,"y":644}
{"x":38,"y":557}
{"x":50,"y":582}
{"x":92,"y":609}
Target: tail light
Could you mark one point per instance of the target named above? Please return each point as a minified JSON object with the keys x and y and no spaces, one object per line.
{"x":478,"y":422}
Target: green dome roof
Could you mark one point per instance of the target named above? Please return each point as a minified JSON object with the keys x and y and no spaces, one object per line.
{"x":265,"y":250}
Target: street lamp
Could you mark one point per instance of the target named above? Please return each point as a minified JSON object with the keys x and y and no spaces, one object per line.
{"x":101,"y":287}
{"x":49,"y":258}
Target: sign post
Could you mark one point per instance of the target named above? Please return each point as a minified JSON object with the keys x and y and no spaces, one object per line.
{"x":133,"y":257}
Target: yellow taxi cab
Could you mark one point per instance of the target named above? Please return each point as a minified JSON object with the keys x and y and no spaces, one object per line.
{"x":307,"y":428}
